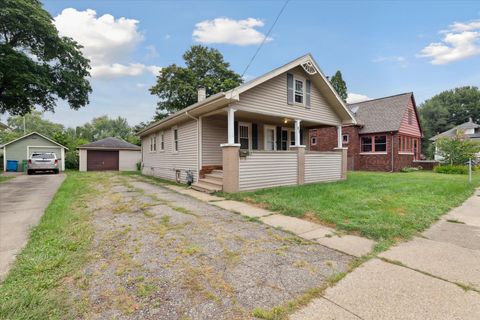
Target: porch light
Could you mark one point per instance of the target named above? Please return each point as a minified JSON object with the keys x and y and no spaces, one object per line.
{"x":285,"y":121}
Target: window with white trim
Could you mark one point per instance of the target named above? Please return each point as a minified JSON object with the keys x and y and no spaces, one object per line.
{"x":313,"y":141}
{"x":175,"y":139}
{"x":345,"y":138}
{"x":162,"y":141}
{"x":153,"y":143}
{"x":299,"y":94}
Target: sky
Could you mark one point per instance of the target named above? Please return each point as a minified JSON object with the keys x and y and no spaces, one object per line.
{"x":381,"y":47}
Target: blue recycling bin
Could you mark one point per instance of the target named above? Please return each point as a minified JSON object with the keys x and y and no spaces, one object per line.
{"x":12,"y":165}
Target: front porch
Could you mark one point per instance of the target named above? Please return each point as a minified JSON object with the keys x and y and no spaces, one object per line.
{"x":244,"y":151}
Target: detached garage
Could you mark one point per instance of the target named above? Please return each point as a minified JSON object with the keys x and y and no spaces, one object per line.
{"x":109,"y":154}
{"x":20,"y":149}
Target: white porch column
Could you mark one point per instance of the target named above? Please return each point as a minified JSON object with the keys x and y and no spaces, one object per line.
{"x":231,"y":125}
{"x":339,"y":137}
{"x":297,"y":132}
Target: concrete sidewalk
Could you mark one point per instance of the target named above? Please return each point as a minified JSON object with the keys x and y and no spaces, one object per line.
{"x":23,"y":201}
{"x":435,"y":276}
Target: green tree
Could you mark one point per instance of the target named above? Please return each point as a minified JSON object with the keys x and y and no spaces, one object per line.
{"x":34,"y":122}
{"x":177,"y":86}
{"x":457,"y":150}
{"x":447,"y":110}
{"x":339,"y":85}
{"x":37,"y":66}
{"x":103,"y":127}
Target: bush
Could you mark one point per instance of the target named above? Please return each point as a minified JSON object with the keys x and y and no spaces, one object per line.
{"x":451,"y":169}
{"x":410,"y":169}
{"x":71,"y":160}
{"x":139,"y":166}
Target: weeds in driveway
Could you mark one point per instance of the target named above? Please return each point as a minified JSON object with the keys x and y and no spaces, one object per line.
{"x":56,"y":250}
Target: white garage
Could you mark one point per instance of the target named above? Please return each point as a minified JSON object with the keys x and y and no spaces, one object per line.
{"x":109,"y":154}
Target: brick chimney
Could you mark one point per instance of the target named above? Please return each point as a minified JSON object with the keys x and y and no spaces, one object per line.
{"x":202,"y":94}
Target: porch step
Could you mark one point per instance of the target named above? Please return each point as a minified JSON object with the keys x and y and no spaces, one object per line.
{"x":216,"y":171}
{"x":216,"y":177}
{"x":206,"y":186}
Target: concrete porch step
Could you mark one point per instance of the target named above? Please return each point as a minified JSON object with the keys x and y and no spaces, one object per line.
{"x":205,"y":186}
{"x":215,"y":177}
{"x":216,"y":171}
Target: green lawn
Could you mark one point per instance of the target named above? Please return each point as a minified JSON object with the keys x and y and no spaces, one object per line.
{"x":381,"y":206}
{"x":56,"y":249}
{"x":5,"y":178}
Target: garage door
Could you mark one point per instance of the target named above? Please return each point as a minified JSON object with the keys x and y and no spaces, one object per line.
{"x":102,"y":160}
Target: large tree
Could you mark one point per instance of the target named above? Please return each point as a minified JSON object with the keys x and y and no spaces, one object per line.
{"x":103,"y":127}
{"x":29,"y":123}
{"x":204,"y":68}
{"x":448,"y":109}
{"x":339,"y":85}
{"x":37,"y":66}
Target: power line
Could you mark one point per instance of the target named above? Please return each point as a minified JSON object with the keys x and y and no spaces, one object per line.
{"x":265,"y":38}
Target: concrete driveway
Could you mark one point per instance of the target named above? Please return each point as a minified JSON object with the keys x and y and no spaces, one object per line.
{"x":23,"y":201}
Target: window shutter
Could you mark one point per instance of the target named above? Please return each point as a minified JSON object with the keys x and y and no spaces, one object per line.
{"x":235,"y":131}
{"x":279,"y":138}
{"x":289,"y":88}
{"x":308,"y":91}
{"x":254,"y":136}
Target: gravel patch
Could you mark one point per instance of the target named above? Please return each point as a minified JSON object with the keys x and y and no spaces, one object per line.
{"x":158,"y":254}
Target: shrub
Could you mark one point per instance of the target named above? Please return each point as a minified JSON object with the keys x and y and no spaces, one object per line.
{"x":451,"y":169}
{"x":139,"y":166}
{"x":71,"y":160}
{"x":411,"y":169}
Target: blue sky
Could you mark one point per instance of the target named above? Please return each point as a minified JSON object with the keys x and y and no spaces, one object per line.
{"x":381,"y":47}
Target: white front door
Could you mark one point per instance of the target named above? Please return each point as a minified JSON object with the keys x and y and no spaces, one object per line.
{"x":244,"y":135}
{"x":270,"y":139}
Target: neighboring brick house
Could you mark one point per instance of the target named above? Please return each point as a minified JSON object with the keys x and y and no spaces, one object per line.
{"x":387,"y":136}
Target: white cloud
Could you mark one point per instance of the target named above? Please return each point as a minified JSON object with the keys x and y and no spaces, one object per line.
{"x":151,"y":52}
{"x":401,"y":61}
{"x":106,"y":41}
{"x":229,"y":31}
{"x":460,"y":41}
{"x":356,"y":97}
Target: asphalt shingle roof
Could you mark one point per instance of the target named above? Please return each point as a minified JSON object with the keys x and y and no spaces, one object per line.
{"x":381,"y":115}
{"x":110,"y":143}
{"x":450,"y":133}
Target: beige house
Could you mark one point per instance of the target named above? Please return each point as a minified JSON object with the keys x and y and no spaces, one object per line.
{"x":253,"y":136}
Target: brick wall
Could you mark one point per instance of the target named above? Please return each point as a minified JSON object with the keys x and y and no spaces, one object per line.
{"x":327,"y":141}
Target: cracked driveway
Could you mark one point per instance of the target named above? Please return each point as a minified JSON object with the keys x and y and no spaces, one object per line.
{"x":158,"y":254}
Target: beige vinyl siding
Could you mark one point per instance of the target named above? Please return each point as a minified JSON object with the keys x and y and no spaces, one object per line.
{"x":82,"y":160}
{"x":322,"y":166}
{"x":214,"y":133}
{"x":163,"y":164}
{"x":268,"y":169}
{"x":270,"y":97}
{"x":127,"y":159}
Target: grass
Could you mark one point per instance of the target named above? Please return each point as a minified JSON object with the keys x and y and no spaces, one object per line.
{"x":56,"y":250}
{"x":5,"y":178}
{"x":382,"y":206}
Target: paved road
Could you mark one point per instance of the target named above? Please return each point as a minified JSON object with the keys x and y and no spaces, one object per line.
{"x":420,"y":279}
{"x":23,"y":201}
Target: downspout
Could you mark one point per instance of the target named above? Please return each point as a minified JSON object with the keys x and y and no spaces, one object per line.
{"x":198,"y":143}
{"x":392,"y":152}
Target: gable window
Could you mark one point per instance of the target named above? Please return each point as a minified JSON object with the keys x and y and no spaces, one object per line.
{"x":162,"y":141}
{"x":345,"y":138}
{"x":366,"y":144}
{"x":175,"y":139}
{"x":380,"y":143}
{"x":298,"y":91}
{"x":410,"y":117}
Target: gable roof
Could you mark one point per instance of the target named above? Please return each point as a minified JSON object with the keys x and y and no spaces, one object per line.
{"x":222,"y":98}
{"x":32,"y":133}
{"x":464,"y":126}
{"x":383,"y":114}
{"x":110,"y":143}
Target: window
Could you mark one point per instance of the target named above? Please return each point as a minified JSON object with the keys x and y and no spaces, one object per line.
{"x":292,"y":138}
{"x":175,"y":140}
{"x":410,"y":117}
{"x":162,"y":141}
{"x":284,"y":141}
{"x":298,"y":91}
{"x":313,"y":141}
{"x":345,"y":138}
{"x":244,"y":132}
{"x":153,"y":143}
{"x":366,"y":144}
{"x":380,"y":144}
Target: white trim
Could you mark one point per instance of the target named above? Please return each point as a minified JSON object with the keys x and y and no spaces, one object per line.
{"x":265,"y":128}
{"x":231,"y":125}
{"x":173,"y":140}
{"x":406,"y":153}
{"x":348,"y":138}
{"x":62,"y":154}
{"x":371,"y":153}
{"x":304,"y":90}
{"x":41,"y":135}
